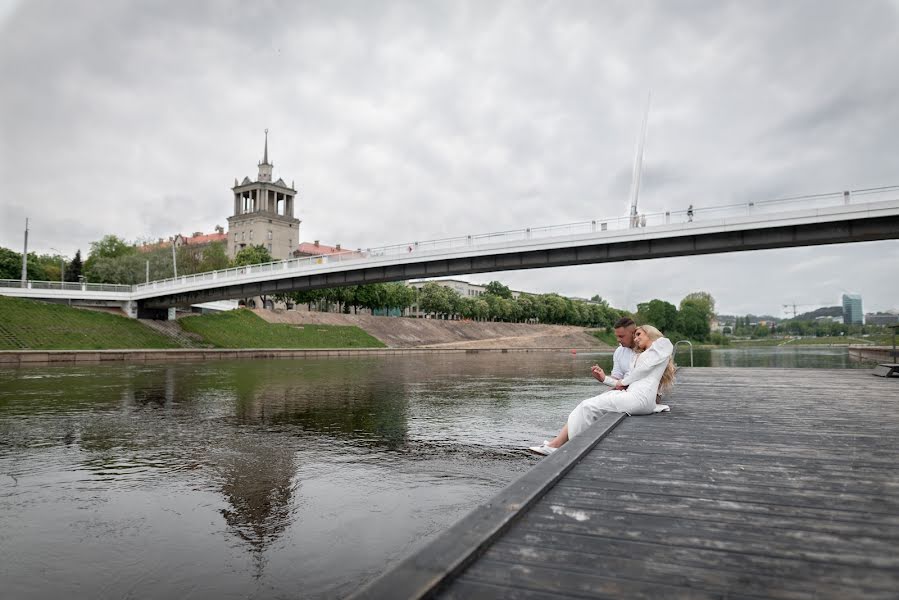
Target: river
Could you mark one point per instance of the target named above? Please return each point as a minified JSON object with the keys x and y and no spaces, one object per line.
{"x":270,"y":479}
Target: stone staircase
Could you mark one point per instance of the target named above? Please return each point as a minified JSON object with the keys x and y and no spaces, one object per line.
{"x":9,"y":340}
{"x":173,"y":330}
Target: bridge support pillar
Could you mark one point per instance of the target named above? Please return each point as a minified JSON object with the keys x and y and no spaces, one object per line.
{"x":130,"y":308}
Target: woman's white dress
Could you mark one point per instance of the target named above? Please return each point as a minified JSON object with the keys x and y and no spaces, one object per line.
{"x":638,"y":399}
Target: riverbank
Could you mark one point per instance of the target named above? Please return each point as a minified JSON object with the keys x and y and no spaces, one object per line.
{"x":404,"y":332}
{"x":69,"y":357}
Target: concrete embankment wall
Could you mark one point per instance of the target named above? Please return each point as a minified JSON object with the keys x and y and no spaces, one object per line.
{"x":401,"y":332}
{"x":21,"y":358}
{"x":880,"y":353}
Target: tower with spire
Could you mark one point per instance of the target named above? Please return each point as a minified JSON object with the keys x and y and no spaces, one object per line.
{"x":263,"y":213}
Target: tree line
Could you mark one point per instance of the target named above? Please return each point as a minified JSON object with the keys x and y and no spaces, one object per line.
{"x":41,"y":267}
{"x":744,"y":327}
{"x":114,"y":260}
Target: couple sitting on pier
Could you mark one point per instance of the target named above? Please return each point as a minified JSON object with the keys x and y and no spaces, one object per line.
{"x":643,"y":367}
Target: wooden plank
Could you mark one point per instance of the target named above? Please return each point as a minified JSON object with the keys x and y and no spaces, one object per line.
{"x":735,"y":492}
{"x":475,"y":590}
{"x":673,"y":530}
{"x":421,"y":574}
{"x":710,"y":570}
{"x":600,"y":582}
{"x":782,"y":473}
{"x":820,"y":520}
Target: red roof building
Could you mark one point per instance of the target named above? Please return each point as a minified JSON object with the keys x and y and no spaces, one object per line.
{"x":317,"y":249}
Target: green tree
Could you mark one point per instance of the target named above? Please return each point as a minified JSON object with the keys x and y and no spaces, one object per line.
{"x":108,"y":261}
{"x":692,"y":321}
{"x":527,"y":307}
{"x":73,"y":269}
{"x":438,"y":300}
{"x":498,"y":289}
{"x":307,"y":297}
{"x":215,"y":258}
{"x":252,"y":255}
{"x":703,"y":300}
{"x":660,"y":314}
{"x":371,"y":296}
{"x":467,"y":308}
{"x":399,"y":296}
{"x":11,"y":266}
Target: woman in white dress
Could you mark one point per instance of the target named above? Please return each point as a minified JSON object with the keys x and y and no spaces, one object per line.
{"x":652,"y":372}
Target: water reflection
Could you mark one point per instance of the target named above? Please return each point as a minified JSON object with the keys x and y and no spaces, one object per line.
{"x":257,"y":481}
{"x":775,"y":357}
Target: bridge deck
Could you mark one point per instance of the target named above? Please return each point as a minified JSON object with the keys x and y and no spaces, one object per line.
{"x":759,"y":483}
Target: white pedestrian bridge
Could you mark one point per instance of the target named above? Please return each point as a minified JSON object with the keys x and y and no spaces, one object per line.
{"x":841,"y":217}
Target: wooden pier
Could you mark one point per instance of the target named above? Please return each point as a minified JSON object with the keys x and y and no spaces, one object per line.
{"x":760,"y":483}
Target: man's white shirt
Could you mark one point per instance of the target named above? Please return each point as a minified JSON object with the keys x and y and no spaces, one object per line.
{"x":621,"y":365}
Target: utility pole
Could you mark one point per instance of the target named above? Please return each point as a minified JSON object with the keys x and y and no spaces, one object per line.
{"x":148,"y":271}
{"x":25,"y":256}
{"x":174,"y":262}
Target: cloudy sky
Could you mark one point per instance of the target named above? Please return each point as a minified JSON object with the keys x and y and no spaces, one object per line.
{"x":419,"y":120}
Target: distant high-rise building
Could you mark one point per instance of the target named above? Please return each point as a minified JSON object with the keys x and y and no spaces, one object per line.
{"x":852,"y":310}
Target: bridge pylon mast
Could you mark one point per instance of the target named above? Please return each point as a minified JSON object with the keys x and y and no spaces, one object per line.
{"x":638,"y":166}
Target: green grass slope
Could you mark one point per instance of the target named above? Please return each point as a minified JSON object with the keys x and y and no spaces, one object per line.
{"x":243,"y":329}
{"x":32,"y":325}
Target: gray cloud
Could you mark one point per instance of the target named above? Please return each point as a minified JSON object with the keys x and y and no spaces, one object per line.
{"x":404,"y":121}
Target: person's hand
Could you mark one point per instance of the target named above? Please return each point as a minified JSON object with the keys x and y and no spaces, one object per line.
{"x":619,"y":386}
{"x":598,"y":373}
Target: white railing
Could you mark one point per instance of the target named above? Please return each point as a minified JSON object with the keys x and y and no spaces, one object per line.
{"x":65,"y":286}
{"x":480,"y":241}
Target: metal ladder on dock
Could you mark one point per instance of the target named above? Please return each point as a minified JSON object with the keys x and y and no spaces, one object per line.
{"x":689,"y":343}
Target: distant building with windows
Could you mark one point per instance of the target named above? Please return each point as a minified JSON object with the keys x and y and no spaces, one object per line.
{"x":263,"y":214}
{"x":881,"y":318}
{"x":463,"y":288}
{"x":852,"y":310}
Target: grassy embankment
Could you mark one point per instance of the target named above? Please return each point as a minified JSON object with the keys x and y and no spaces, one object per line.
{"x":243,"y":329}
{"x":30,"y":325}
{"x":607,"y":337}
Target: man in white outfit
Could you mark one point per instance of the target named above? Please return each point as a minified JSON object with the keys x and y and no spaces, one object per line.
{"x":624,"y":353}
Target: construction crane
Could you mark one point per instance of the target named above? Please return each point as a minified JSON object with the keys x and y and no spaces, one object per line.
{"x":794,"y":305}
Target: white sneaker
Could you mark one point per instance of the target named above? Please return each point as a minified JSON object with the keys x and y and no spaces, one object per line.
{"x":544,"y":449}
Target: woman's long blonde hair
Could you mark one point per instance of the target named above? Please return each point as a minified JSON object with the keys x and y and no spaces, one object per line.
{"x":667,"y":381}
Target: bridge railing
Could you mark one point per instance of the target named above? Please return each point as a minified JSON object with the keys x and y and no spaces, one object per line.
{"x":65,"y":286}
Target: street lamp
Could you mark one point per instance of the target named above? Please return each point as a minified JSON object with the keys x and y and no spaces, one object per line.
{"x":62,"y":268}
